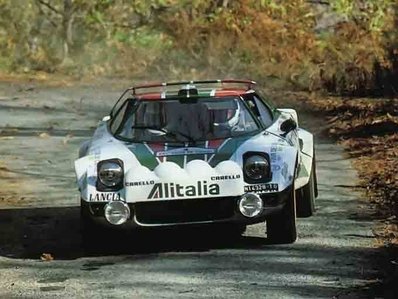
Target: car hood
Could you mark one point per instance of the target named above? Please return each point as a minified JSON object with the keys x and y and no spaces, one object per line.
{"x":212,"y":152}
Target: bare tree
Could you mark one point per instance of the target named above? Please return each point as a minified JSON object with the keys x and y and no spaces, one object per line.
{"x":66,"y":12}
{"x":67,"y":23}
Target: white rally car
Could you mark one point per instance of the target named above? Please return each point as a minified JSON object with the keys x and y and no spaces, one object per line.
{"x":198,"y":152}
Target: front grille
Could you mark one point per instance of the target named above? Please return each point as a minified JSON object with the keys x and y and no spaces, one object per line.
{"x":183,"y":211}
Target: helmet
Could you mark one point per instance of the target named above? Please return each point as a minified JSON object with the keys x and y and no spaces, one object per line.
{"x":227,"y":117}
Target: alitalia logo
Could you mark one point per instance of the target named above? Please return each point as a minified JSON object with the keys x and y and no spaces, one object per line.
{"x":165,"y":190}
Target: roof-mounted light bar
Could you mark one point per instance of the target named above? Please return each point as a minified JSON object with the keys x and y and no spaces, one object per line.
{"x":249,"y":84}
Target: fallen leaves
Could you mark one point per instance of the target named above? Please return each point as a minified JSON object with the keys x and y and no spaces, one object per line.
{"x":368,"y":129}
{"x":46,"y":257}
{"x":44,"y":135}
{"x":66,"y":139}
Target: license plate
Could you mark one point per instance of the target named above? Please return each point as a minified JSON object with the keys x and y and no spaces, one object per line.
{"x":262,"y":188}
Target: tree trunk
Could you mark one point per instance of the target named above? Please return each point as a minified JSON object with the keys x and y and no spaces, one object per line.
{"x":225,"y":3}
{"x":67,"y":22}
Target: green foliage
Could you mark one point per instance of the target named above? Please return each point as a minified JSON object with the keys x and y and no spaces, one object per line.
{"x":345,"y":7}
{"x":270,"y":39}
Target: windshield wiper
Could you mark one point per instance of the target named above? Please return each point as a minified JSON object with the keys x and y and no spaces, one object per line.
{"x":166,"y":132}
{"x":176,"y":133}
{"x":150,"y":128}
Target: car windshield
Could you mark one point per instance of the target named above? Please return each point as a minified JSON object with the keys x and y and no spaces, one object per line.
{"x":183,"y":120}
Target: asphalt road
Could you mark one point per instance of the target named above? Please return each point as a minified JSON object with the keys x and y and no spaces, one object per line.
{"x":40,"y":131}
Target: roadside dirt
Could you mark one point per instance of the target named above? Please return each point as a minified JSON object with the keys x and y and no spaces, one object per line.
{"x":367,"y":128}
{"x":41,"y":128}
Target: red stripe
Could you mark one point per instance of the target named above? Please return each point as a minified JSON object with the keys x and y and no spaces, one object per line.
{"x":150,"y":96}
{"x":215,"y":143}
{"x":229,"y":92}
{"x":157,"y":147}
{"x":219,"y":93}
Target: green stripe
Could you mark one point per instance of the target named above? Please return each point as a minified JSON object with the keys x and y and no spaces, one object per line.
{"x":196,"y":157}
{"x":143,"y":155}
{"x":226,"y":151}
{"x":179,"y":160}
{"x":303,"y":171}
{"x":203,"y":93}
{"x":223,"y":153}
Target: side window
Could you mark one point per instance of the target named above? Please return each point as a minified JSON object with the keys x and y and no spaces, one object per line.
{"x":259,"y":109}
{"x":252,"y":105}
{"x":117,"y":120}
{"x":265,"y":112}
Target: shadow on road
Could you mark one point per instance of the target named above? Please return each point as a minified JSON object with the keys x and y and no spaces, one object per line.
{"x":28,"y":233}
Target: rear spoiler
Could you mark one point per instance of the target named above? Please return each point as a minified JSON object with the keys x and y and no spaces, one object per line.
{"x":163,"y":85}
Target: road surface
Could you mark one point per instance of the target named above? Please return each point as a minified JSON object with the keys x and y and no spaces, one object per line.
{"x":40,"y":131}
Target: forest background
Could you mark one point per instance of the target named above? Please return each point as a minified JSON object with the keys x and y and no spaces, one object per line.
{"x":340,"y":46}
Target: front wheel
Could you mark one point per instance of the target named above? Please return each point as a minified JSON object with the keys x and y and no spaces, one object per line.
{"x":306,"y":196}
{"x":281,"y":228}
{"x":230,"y":230}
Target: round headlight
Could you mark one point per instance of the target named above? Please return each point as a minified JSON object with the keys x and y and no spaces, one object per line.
{"x":110,"y":173}
{"x":250,"y":205}
{"x":256,"y":167}
{"x":117,"y":212}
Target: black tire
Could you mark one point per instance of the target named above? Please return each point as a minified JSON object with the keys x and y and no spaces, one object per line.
{"x":238,"y":230}
{"x":306,"y":196}
{"x":230,"y":230}
{"x":315,"y":176}
{"x":281,"y":228}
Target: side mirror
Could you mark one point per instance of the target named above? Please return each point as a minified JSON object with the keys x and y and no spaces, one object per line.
{"x":288,"y":126}
{"x":106,"y":118}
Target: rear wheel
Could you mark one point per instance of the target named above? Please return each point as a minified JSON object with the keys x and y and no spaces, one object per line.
{"x":281,"y":228}
{"x":306,"y":196}
{"x":315,"y":176}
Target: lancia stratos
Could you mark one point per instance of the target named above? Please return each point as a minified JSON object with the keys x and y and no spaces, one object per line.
{"x":197,"y":153}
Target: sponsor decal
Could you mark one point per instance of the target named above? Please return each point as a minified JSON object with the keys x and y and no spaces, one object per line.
{"x":225,"y":177}
{"x":276,"y":147}
{"x":275,"y":167}
{"x":186,"y":151}
{"x":275,"y":157}
{"x":262,"y":188}
{"x":165,"y":190}
{"x":108,"y":196}
{"x":141,"y":183}
{"x":284,"y":171}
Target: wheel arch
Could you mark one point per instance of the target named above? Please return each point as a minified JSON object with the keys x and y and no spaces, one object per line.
{"x":307,"y":154}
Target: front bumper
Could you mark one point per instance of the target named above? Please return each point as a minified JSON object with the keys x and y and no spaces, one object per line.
{"x":188,"y":211}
